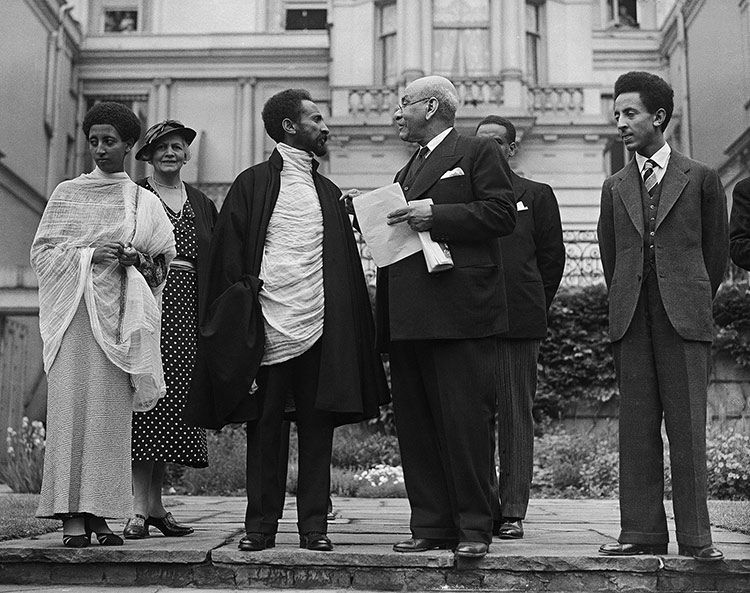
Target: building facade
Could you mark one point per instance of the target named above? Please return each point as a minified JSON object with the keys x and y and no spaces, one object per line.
{"x":549,"y":65}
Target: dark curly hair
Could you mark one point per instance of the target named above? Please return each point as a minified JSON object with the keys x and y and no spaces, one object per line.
{"x":283,"y":105}
{"x":116,"y":115}
{"x":654,"y":91}
{"x":510,"y":129}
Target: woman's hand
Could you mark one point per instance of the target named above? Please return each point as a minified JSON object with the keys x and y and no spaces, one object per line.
{"x":106,"y":254}
{"x":127,"y":254}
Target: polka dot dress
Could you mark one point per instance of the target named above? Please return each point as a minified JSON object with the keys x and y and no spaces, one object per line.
{"x":160,"y":434}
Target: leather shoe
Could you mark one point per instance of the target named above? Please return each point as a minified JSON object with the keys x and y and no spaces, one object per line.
{"x":168,"y":526}
{"x":255,"y":542}
{"x":423,"y":544}
{"x":136,"y":528}
{"x":510,"y":530}
{"x":315,"y":541}
{"x":704,"y":554}
{"x":618,"y":549}
{"x":472,"y":550}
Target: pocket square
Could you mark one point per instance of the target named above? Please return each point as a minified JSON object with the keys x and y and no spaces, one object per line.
{"x":457,"y":172}
{"x":520,"y":206}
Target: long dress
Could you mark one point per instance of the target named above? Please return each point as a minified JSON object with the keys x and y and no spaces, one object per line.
{"x":87,"y":468}
{"x":160,"y":434}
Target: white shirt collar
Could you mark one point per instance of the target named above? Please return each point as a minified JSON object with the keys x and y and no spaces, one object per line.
{"x":433,"y":144}
{"x":660,"y":157}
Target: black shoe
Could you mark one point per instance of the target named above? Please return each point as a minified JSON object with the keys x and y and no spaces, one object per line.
{"x":315,"y":541}
{"x":76,"y":541}
{"x":168,"y":526}
{"x":423,"y":544}
{"x":701,"y":554}
{"x":104,"y":536}
{"x":255,"y":542}
{"x":136,"y":527}
{"x":510,"y":529}
{"x":618,"y":549}
{"x":472,"y":550}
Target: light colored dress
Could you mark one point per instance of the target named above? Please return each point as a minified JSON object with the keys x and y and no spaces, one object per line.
{"x":89,"y":408}
{"x":100,"y":327}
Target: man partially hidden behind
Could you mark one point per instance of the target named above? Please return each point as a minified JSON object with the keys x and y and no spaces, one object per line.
{"x":664,"y":245}
{"x":533,"y":264}
{"x":282,"y":222}
{"x":441,"y":328}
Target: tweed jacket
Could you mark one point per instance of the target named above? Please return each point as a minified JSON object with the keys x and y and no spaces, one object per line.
{"x":691,"y":242}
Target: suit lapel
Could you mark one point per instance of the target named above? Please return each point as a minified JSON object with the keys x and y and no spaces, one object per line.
{"x":519,"y":188}
{"x":672,"y":184}
{"x":401,"y":175}
{"x":629,"y":192}
{"x":437,"y":163}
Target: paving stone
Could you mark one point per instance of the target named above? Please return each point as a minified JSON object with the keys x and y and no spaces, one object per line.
{"x":559,"y":553}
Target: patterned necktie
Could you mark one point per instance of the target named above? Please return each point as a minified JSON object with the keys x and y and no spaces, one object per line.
{"x":649,"y":177}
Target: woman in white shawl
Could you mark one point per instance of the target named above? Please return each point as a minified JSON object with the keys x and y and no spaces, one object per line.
{"x":101,"y":254}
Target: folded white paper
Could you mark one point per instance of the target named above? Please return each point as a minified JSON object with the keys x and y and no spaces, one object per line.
{"x":437,"y":256}
{"x":387,"y":244}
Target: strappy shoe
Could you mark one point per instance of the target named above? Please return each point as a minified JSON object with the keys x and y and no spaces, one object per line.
{"x":78,"y":540}
{"x":104,"y":537}
{"x":136,"y":528}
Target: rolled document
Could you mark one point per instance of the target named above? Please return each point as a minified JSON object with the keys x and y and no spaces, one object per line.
{"x":437,"y":256}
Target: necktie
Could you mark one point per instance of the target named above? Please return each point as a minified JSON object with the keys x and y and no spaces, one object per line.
{"x":416,"y":165}
{"x":649,"y":177}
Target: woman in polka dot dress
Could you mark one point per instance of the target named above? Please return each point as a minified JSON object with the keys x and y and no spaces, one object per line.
{"x":160,"y":436}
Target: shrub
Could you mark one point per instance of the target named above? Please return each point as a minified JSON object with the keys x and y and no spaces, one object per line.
{"x":573,"y":465}
{"x":355,"y":447}
{"x":25,"y":466}
{"x":575,"y":361}
{"x":225,"y":475}
{"x":731,"y":310}
{"x":728,"y":460}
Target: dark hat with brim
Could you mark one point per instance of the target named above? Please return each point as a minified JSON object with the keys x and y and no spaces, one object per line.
{"x":158,"y":131}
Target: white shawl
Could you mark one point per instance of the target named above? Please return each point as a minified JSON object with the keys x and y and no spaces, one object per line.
{"x":125,"y":313}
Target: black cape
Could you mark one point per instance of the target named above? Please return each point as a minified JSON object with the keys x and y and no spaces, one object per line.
{"x":351,"y":383}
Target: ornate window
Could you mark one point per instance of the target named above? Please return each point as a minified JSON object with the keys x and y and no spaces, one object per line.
{"x":386,"y":23}
{"x":461,"y":37}
{"x":533,"y":41}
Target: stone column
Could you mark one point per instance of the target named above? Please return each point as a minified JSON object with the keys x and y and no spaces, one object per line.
{"x":513,"y":34}
{"x":410,"y":39}
{"x":496,"y":37}
{"x":245,"y":142}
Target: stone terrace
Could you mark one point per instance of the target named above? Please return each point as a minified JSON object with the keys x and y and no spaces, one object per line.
{"x":558,"y":554}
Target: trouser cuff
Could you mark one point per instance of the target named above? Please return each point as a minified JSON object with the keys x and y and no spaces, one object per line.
{"x":641,"y":537}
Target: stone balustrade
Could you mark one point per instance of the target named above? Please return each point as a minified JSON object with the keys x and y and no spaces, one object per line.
{"x":563,"y":100}
{"x":477,"y":97}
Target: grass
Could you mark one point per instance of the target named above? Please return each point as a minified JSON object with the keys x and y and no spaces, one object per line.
{"x":730,"y":514}
{"x":17,"y":517}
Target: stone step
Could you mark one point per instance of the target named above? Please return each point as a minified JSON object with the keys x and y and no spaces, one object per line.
{"x":558,"y":554}
{"x":213,"y":561}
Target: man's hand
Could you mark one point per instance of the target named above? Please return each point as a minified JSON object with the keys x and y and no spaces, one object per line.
{"x":417,"y":216}
{"x":346,"y":198}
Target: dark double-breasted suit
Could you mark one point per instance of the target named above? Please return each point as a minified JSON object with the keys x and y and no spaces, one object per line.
{"x":661,"y":288}
{"x":533,"y":265}
{"x":440,"y":330}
